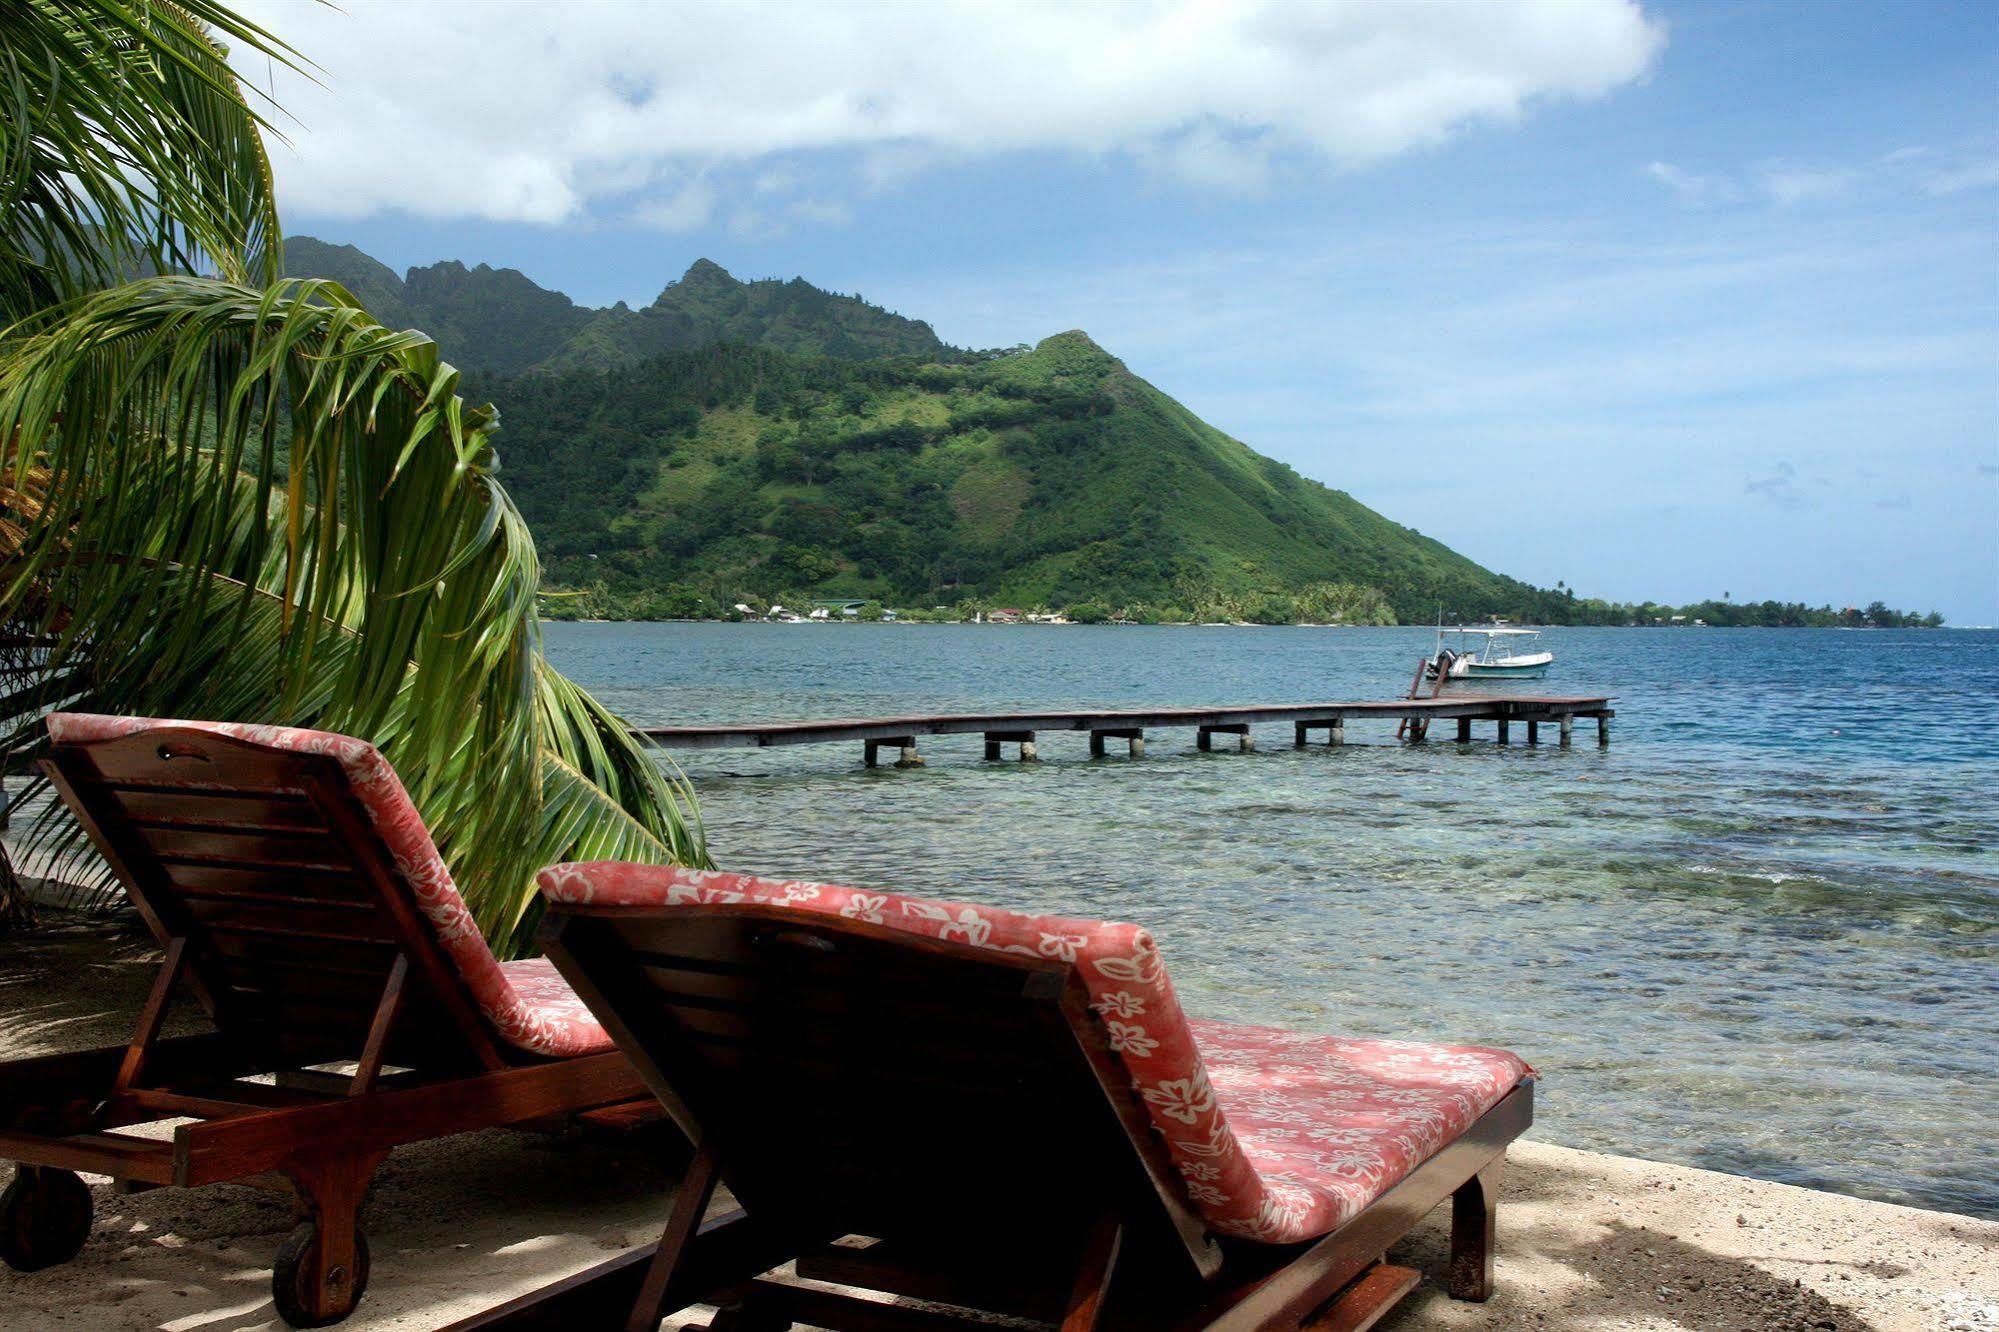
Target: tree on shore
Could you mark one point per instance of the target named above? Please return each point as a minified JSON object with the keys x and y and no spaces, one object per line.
{"x":235,"y":497}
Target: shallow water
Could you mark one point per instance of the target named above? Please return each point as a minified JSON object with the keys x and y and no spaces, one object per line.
{"x":1758,"y":933}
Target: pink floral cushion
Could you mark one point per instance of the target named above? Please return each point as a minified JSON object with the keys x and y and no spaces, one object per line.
{"x":528,"y":1004}
{"x":1281,"y":1136}
{"x":1331,"y":1124}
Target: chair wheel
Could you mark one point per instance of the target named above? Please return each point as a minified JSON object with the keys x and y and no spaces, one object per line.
{"x":44,"y":1218}
{"x":295,"y":1285}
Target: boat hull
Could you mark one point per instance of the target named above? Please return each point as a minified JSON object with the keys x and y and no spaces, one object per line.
{"x":1500,"y":672}
{"x":1527,"y":666}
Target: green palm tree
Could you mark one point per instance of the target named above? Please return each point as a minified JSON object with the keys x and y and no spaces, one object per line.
{"x":239,"y":497}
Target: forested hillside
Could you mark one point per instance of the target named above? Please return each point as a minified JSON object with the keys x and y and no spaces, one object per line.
{"x":1053,"y":476}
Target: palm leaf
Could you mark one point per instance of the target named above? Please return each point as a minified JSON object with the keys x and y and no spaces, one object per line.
{"x":127,"y":147}
{"x":259,"y":504}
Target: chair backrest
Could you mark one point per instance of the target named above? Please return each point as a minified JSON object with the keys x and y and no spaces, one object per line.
{"x":265,"y":859}
{"x":852,"y":1077}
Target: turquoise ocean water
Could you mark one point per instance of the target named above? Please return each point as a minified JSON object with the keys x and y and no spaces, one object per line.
{"x":1758,"y":933}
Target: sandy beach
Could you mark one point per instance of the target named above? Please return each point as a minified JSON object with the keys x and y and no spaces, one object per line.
{"x":1588,"y":1241}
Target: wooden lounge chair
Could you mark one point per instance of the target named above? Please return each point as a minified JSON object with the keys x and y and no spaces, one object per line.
{"x":1000,"y":1113}
{"x":355,"y":1004}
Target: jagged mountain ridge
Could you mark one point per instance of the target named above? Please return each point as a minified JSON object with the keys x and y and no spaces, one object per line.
{"x":499,"y":321}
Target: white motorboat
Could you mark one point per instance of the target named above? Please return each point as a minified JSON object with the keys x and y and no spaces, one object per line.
{"x":1493,"y":652}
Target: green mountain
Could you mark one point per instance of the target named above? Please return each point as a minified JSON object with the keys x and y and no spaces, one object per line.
{"x":759,"y":441}
{"x":1053,"y":476}
{"x":499,"y":321}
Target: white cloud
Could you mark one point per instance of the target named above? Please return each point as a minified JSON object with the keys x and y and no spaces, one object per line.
{"x":1206,"y":157}
{"x":1953,"y":180}
{"x":1692,"y":187}
{"x":1920,"y":170}
{"x":1794,"y":185}
{"x":683,"y":209}
{"x":545,"y":113}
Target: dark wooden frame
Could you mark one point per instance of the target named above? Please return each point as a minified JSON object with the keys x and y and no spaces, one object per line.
{"x":734,"y":1013}
{"x":280,"y":907}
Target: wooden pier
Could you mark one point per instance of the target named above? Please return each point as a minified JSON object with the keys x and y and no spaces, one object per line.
{"x":1023,"y":729}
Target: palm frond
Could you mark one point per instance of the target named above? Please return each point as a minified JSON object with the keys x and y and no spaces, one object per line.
{"x":261,"y":505}
{"x":127,"y":147}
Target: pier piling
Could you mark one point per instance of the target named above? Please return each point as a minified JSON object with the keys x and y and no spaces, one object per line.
{"x":1134,"y":737}
{"x":1533,"y":733}
{"x":1335,"y":728}
{"x":1464,"y":730}
{"x":1603,"y":728}
{"x":1204,"y":738}
{"x":905,"y":745}
{"x":1501,"y":734}
{"x":1025,"y":739}
{"x":1568,"y":731}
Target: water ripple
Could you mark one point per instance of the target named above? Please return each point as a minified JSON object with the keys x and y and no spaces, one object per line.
{"x":1758,"y":933}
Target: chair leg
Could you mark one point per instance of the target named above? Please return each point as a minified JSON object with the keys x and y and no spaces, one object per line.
{"x":321,"y":1270}
{"x":1474,"y":1216}
{"x":1093,"y":1276}
{"x":683,"y":1220}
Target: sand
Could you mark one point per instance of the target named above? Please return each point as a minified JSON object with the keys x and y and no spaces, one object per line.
{"x":1587,"y":1241}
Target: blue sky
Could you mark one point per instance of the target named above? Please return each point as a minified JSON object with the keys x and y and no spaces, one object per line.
{"x":1663,"y":301}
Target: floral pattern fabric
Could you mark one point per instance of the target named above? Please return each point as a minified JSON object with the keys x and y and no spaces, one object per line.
{"x":1279,"y":1136}
{"x":529,"y":1006}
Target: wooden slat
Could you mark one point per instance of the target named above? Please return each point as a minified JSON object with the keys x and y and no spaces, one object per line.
{"x":363,"y":958}
{"x":901,"y":1017}
{"x":845,"y":967}
{"x":253,"y":1143}
{"x":345,"y":992}
{"x":1371,"y":1298}
{"x":223,"y":880}
{"x":624,"y":1115}
{"x":178,"y":1105}
{"x":288,"y":921}
{"x":852,"y":1311}
{"x":194,"y":759}
{"x":827,"y":988}
{"x":301,"y":849}
{"x":96,"y":1153}
{"x":186,"y":808}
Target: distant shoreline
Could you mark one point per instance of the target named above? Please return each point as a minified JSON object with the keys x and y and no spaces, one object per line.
{"x":1246,"y":624}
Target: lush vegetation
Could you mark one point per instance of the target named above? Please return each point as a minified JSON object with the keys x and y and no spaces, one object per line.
{"x":1052,"y":476}
{"x":496,"y":320}
{"x":242,"y":498}
{"x":1738,"y":614}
